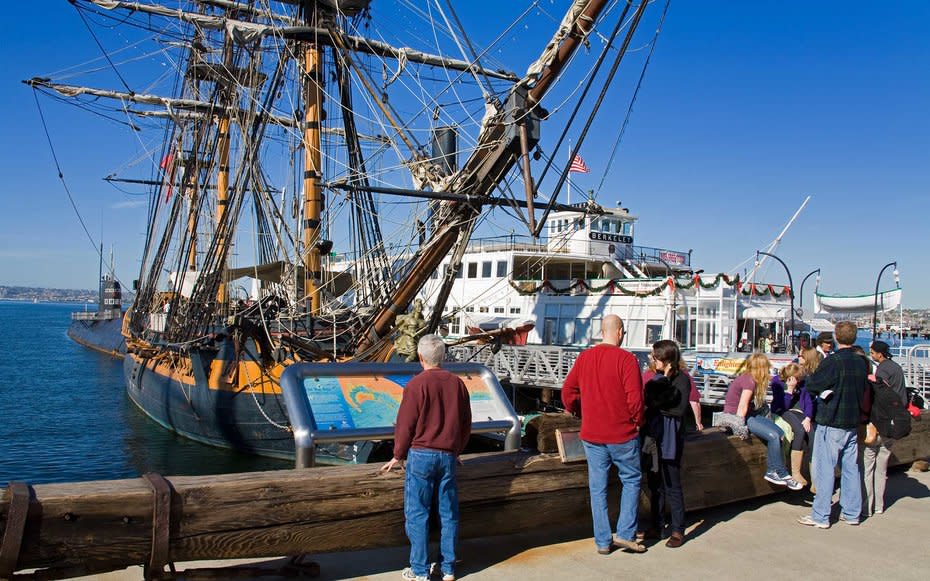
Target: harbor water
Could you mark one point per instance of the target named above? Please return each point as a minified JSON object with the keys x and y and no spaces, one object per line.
{"x":65,"y":417}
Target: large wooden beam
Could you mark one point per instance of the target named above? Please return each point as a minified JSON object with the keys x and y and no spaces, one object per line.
{"x":99,"y":526}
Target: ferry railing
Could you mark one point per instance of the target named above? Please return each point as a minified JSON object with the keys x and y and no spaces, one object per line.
{"x":917,"y":369}
{"x":544,"y":366}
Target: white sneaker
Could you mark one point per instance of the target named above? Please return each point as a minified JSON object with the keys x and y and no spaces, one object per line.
{"x":848,"y":521}
{"x":408,"y":575}
{"x":806,"y":520}
{"x":435,"y":570}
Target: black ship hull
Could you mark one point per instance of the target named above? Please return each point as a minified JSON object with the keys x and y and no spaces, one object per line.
{"x":245,"y":420}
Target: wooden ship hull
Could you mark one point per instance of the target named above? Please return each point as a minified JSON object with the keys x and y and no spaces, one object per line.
{"x":74,"y":529}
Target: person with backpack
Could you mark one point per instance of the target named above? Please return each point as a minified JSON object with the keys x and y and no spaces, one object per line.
{"x":891,"y":421}
{"x":840,"y":382}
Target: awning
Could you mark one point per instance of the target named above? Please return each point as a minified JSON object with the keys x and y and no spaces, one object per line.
{"x":494,"y":323}
{"x":767,"y":314}
{"x":821,"y":325}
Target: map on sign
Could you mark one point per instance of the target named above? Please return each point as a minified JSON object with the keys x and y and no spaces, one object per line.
{"x":372,"y":401}
{"x":732,"y":364}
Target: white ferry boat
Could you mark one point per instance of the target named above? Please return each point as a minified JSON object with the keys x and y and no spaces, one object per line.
{"x":555,"y":292}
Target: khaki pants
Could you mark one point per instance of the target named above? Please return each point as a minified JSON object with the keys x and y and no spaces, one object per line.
{"x":875,"y":468}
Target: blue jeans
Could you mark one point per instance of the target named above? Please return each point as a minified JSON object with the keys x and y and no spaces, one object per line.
{"x":429,"y":471}
{"x":832,"y":445}
{"x":625,"y":457}
{"x":765,"y":429}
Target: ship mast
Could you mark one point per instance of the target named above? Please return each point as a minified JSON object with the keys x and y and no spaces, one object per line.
{"x":313,"y":165}
{"x":222,"y":176}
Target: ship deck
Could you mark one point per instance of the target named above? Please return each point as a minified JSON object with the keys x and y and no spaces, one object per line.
{"x":749,"y":540}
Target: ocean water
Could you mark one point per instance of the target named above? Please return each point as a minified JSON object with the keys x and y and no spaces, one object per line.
{"x":65,"y":417}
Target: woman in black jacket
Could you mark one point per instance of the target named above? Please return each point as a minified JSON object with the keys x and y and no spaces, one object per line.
{"x":666,"y":399}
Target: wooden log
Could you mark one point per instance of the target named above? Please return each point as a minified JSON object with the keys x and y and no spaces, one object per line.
{"x":99,"y":526}
{"x":540,"y":431}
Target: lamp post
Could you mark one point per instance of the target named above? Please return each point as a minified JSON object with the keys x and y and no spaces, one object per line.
{"x":668,"y":272}
{"x":877,"y":281}
{"x":801,"y":301}
{"x":790,"y":289}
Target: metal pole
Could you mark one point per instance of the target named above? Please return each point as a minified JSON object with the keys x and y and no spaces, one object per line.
{"x":668,"y":272}
{"x":790,"y":290}
{"x":875,"y":306}
{"x":801,"y":301}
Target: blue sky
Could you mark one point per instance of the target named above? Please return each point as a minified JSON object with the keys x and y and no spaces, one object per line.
{"x":747,"y":108}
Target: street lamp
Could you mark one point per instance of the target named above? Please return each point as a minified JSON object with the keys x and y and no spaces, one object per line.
{"x":801,"y":301}
{"x":877,"y":281}
{"x":668,"y":272}
{"x":790,"y":289}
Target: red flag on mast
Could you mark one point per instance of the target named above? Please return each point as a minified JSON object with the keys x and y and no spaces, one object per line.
{"x":168,"y":163}
{"x":578,"y":165}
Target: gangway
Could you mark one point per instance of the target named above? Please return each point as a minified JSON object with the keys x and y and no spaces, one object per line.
{"x":540,"y":366}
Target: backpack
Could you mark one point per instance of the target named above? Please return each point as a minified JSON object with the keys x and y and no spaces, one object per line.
{"x":889,"y":414}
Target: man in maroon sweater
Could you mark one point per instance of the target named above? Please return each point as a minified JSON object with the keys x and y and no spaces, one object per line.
{"x":606,"y":388}
{"x":432,"y":429}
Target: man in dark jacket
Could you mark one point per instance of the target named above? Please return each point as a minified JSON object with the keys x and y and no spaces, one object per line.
{"x":840,"y":383}
{"x":432,"y":429}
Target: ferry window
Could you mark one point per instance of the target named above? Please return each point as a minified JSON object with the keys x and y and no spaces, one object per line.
{"x":469,"y":309}
{"x":472,"y":270}
{"x":501,"y":268}
{"x":458,"y":273}
{"x":595,"y":225}
{"x":628,"y":228}
{"x":455,"y":327}
{"x":514,"y":310}
{"x":486,"y":269}
{"x":653,"y":333}
{"x":617,"y":227}
{"x":482,"y":309}
{"x":579,"y":223}
{"x":548,"y":337}
{"x":499,"y":310}
{"x":566,"y":331}
{"x":582,"y":332}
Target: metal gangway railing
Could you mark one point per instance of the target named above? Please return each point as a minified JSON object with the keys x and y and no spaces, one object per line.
{"x":544,"y":366}
{"x":915,"y":361}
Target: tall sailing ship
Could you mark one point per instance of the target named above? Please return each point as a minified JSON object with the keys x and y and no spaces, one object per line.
{"x":318,"y":165}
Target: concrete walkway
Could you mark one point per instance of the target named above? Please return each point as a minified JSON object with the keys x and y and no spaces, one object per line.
{"x":751,"y":540}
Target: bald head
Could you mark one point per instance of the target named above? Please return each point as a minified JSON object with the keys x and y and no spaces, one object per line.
{"x":612,"y":329}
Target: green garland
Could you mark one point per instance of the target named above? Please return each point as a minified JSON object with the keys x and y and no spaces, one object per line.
{"x":613,"y":286}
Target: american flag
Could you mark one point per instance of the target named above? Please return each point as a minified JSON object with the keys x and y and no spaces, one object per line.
{"x":578,"y":165}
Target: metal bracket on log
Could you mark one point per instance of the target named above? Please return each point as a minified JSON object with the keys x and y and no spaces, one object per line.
{"x":20,"y":494}
{"x":161,"y":526}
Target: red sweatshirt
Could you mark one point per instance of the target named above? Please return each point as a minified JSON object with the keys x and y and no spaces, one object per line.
{"x":605,"y":385}
{"x":435,"y":413}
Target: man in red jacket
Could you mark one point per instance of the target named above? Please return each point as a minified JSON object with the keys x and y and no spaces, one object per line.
{"x":606,"y":387}
{"x":432,"y":429}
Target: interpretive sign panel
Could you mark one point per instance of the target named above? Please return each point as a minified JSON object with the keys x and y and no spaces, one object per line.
{"x":368,"y":400}
{"x":354,"y":402}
